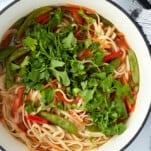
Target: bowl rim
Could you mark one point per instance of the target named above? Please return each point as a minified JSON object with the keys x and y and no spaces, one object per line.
{"x":140,"y":30}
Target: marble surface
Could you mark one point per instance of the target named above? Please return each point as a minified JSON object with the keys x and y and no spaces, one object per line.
{"x":143,"y":16}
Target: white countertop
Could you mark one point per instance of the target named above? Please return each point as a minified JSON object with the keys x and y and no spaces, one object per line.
{"x":143,"y":140}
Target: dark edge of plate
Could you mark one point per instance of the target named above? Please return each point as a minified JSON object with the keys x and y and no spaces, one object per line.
{"x":7,"y":6}
{"x":149,"y":49}
{"x":2,"y":149}
{"x":147,"y":44}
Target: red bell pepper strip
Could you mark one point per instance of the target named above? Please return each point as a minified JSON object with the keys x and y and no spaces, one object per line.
{"x":129,"y":106}
{"x":22,"y":127}
{"x":121,"y":42}
{"x":76,"y":15}
{"x":43,"y":18}
{"x":84,"y":54}
{"x":113,"y":55}
{"x":18,"y":100}
{"x":61,"y":97}
{"x":37,"y":119}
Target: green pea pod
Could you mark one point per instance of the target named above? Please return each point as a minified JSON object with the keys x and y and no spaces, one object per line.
{"x":30,"y":18}
{"x":9,"y":76}
{"x":116,"y":62}
{"x":63,"y":123}
{"x":4,"y":53}
{"x":17,"y":54}
{"x":106,"y":21}
{"x":134,"y":66}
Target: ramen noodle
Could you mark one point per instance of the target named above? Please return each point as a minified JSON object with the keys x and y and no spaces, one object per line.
{"x":68,"y":79}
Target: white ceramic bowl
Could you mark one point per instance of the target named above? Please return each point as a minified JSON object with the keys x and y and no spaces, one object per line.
{"x":134,"y":38}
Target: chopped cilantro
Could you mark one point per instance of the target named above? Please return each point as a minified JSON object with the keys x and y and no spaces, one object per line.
{"x":54,"y":55}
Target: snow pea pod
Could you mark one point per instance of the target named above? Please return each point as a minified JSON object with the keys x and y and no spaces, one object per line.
{"x":9,"y":76}
{"x":57,"y":120}
{"x":30,"y":18}
{"x":4,"y":53}
{"x":18,"y":53}
{"x":116,"y":63}
{"x":134,"y":66}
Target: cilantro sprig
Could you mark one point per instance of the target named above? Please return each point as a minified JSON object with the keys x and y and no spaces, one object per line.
{"x":54,"y":55}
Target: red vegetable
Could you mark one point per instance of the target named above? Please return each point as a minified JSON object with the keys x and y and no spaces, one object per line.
{"x":22,"y":127}
{"x":63,"y":98}
{"x":121,"y":42}
{"x":76,"y":15}
{"x":60,"y":97}
{"x":43,"y":18}
{"x":37,"y":119}
{"x":18,"y":100}
{"x":129,"y":106}
{"x":113,"y":55}
{"x":84,"y":54}
{"x":6,"y":39}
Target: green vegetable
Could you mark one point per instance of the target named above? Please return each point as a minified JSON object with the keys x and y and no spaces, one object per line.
{"x":9,"y":72}
{"x":51,"y":52}
{"x":6,"y":52}
{"x":69,"y":42}
{"x":105,"y":21}
{"x":62,"y":76}
{"x":30,"y":18}
{"x":134,"y":66}
{"x":59,"y":121}
{"x":56,"y":19}
{"x":116,"y":63}
{"x":47,"y":95}
{"x":89,"y":19}
{"x":17,"y":54}
{"x":9,"y":76}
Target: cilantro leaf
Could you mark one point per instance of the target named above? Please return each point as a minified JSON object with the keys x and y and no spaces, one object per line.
{"x":87,"y":94}
{"x":62,"y":76}
{"x":69,"y":42}
{"x":31,"y":43}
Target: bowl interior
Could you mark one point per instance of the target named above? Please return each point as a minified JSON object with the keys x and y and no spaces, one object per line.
{"x":133,"y":37}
